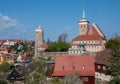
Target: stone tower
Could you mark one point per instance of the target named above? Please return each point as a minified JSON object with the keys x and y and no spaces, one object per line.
{"x":39,"y":39}
{"x":83,"y":24}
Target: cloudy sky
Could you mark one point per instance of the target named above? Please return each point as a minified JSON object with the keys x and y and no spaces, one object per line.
{"x":20,"y":18}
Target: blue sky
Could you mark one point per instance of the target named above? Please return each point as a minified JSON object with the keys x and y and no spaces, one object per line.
{"x":20,"y":18}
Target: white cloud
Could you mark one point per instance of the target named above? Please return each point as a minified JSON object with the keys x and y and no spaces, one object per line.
{"x":10,"y":27}
{"x":5,"y":18}
{"x":6,"y":21}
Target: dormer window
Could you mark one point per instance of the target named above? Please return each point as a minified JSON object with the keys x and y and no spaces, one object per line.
{"x":73,"y":67}
{"x":83,"y":67}
{"x":63,"y":67}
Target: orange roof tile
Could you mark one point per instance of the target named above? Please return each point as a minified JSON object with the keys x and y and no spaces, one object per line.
{"x":92,"y":31}
{"x":101,"y":57}
{"x":82,"y":65}
{"x":87,"y":37}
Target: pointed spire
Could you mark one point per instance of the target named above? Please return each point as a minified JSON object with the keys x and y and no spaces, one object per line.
{"x":83,"y":15}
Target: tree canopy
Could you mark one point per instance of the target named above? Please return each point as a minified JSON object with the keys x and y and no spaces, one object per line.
{"x":58,"y":47}
{"x":72,"y":79}
{"x":114,"y":60}
{"x":4,"y":67}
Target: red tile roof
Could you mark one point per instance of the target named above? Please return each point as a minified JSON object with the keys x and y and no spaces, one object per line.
{"x":87,"y":37}
{"x":16,"y":40}
{"x":92,"y":34}
{"x":82,"y":65}
{"x":102,"y":57}
{"x":43,"y":45}
{"x":7,"y":56}
{"x":2,"y":41}
{"x":92,"y":31}
{"x":5,"y":48}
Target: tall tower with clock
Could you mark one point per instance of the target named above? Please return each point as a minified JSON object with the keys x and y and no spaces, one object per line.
{"x":83,"y":24}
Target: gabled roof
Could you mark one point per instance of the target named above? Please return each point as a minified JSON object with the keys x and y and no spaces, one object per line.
{"x":92,"y":31}
{"x":98,"y":30}
{"x":82,"y":65}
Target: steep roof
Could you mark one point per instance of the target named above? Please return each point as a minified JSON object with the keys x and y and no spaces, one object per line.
{"x":92,"y":31}
{"x":82,"y":65}
{"x":87,"y":37}
{"x":101,"y":57}
{"x":98,"y":30}
{"x":92,"y":34}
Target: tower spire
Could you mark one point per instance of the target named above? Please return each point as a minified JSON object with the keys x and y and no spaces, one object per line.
{"x":83,"y":15}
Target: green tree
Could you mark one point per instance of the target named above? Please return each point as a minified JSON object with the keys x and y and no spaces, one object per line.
{"x":3,"y":80}
{"x":114,"y":63}
{"x":72,"y":79}
{"x":58,"y":47}
{"x":115,"y":81}
{"x":56,"y":80}
{"x":36,"y":72}
{"x":4,"y":67}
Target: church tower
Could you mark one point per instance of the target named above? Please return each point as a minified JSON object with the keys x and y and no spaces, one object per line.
{"x":83,"y":25}
{"x":39,"y":39}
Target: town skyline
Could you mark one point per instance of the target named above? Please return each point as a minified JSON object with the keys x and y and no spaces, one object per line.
{"x":19,"y":19}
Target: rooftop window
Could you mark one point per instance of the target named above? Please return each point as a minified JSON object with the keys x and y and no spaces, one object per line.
{"x":63,"y":67}
{"x":83,"y":67}
{"x":73,"y":67}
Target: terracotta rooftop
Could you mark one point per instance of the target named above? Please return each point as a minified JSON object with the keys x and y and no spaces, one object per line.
{"x":92,"y":34}
{"x":7,"y":56}
{"x":92,"y":31}
{"x":82,"y":65}
{"x":101,"y":57}
{"x":87,"y":37}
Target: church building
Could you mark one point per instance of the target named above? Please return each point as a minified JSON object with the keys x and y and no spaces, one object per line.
{"x":89,"y":40}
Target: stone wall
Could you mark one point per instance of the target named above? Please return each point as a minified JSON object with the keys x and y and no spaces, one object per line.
{"x":51,"y":54}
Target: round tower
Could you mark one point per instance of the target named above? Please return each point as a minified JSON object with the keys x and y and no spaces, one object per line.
{"x":39,"y":38}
